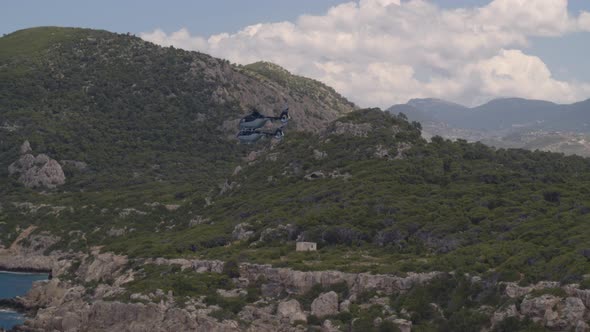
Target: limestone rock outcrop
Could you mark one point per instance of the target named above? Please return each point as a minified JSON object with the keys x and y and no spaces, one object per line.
{"x":30,"y":257}
{"x":553,"y":312}
{"x":292,"y":310}
{"x":242,"y":231}
{"x":35,"y":172}
{"x":117,"y":316}
{"x":69,"y":304}
{"x":325,"y":305}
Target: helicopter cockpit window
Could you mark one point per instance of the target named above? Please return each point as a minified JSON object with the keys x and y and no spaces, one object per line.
{"x":253,"y":116}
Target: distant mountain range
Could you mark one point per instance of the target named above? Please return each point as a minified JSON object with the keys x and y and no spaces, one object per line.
{"x":506,"y":122}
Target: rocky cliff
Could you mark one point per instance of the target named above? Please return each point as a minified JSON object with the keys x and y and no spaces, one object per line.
{"x":36,"y":171}
{"x":90,"y":304}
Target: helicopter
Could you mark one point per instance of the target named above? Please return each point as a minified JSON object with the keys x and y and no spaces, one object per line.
{"x":256,"y":120}
{"x":248,"y":136}
{"x":250,"y":125}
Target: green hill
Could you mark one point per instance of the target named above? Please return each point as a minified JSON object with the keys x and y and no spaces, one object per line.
{"x":389,"y":202}
{"x":153,"y":124}
{"x":165,"y":177}
{"x":133,"y":111}
{"x":146,"y":121}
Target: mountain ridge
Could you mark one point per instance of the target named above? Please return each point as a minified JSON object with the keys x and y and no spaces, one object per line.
{"x":502,"y":113}
{"x":507,"y":123}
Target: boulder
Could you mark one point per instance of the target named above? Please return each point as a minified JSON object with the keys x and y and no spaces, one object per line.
{"x":40,"y":171}
{"x":403,"y":325}
{"x":554,"y":312}
{"x":538,"y":306}
{"x":242,"y":231}
{"x":502,"y":314}
{"x":325,"y":305}
{"x":42,"y":159}
{"x":574,"y":311}
{"x":319,"y":155}
{"x":328,"y":326}
{"x":381,"y":152}
{"x":50,"y":175}
{"x":292,"y":310}
{"x":315,"y":175}
{"x":345,"y":306}
{"x":25,"y":148}
{"x":23,"y":163}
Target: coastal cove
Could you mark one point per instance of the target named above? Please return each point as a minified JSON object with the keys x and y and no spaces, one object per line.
{"x":14,"y":284}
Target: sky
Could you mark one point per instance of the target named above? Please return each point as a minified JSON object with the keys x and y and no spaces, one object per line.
{"x":374,"y":52}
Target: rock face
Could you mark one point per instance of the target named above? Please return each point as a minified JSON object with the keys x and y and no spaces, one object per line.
{"x":39,"y":171}
{"x":325,"y":305}
{"x":301,"y":282}
{"x":25,"y":148}
{"x":30,"y":257}
{"x":102,"y":267}
{"x":116,"y":316}
{"x":553,"y":312}
{"x":67,"y":306}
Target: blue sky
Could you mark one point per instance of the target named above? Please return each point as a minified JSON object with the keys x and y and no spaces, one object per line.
{"x":564,"y":55}
{"x":205,"y":17}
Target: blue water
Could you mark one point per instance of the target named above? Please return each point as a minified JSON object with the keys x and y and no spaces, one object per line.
{"x":11,"y":285}
{"x":8,"y":319}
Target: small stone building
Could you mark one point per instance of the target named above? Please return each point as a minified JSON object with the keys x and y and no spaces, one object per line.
{"x":306,"y":246}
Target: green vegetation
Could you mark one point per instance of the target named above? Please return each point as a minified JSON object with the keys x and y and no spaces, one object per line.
{"x":450,"y":206}
{"x":521,"y":325}
{"x":382,"y":199}
{"x":457,"y":303}
{"x":187,"y":285}
{"x":182,"y":284}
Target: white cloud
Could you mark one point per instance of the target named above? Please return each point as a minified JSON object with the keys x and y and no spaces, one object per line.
{"x":514,"y":73}
{"x":381,"y":52}
{"x":181,"y":39}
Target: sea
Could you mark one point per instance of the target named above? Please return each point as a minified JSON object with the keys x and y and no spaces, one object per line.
{"x":15,"y":284}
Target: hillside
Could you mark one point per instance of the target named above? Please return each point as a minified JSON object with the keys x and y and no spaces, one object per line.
{"x":302,"y":89}
{"x":370,"y":185}
{"x":164,"y":216}
{"x":139,"y":115}
{"x":376,"y":198}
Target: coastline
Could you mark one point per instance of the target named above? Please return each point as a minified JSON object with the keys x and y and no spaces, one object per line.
{"x":14,"y":305}
{"x":69,"y":305}
{"x":24,"y":271}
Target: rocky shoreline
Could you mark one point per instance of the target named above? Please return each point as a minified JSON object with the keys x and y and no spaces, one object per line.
{"x":13,"y":304}
{"x":25,"y":270}
{"x":68,"y":303}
